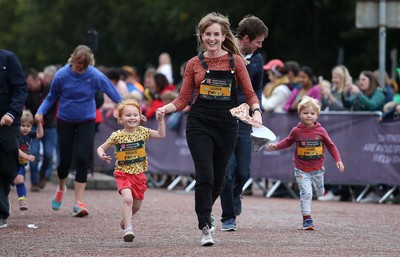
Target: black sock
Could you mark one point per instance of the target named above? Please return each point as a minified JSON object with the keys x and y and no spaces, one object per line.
{"x":306,"y":217}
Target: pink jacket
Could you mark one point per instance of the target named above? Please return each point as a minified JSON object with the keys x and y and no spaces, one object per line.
{"x":314,"y":92}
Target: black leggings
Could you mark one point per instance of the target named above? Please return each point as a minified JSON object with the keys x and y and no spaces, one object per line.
{"x":211,"y":136}
{"x":75,"y":140}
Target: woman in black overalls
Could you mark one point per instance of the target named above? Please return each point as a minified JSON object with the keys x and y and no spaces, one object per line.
{"x":211,"y":130}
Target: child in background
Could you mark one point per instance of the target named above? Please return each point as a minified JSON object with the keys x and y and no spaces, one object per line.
{"x":309,"y":158}
{"x":131,"y":163}
{"x":24,"y":157}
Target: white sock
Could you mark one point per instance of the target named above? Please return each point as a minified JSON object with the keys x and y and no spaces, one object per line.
{"x":128,"y":228}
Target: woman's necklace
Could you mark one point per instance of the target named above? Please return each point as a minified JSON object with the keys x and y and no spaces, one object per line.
{"x":214,"y":63}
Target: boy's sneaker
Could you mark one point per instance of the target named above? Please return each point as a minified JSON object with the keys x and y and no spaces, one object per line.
{"x":212,"y":220}
{"x":23,"y":204}
{"x":308,"y":224}
{"x":206,"y":240}
{"x":229,"y":225}
{"x":56,"y":202}
{"x":3,"y":223}
{"x":129,"y":236}
{"x":79,"y":210}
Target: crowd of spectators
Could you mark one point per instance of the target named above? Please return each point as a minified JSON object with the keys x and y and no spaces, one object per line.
{"x":286,"y":82}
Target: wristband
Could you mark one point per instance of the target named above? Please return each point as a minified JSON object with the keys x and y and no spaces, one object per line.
{"x":257,"y":110}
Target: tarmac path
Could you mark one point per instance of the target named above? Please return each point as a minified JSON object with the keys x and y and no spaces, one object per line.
{"x":167,"y":226}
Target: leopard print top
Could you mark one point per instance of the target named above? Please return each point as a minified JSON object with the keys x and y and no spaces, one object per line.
{"x":121,"y":139}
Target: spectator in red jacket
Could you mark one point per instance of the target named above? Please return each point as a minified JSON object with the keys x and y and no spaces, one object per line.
{"x":158,"y":85}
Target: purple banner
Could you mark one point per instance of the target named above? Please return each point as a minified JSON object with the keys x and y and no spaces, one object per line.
{"x":370,"y":150}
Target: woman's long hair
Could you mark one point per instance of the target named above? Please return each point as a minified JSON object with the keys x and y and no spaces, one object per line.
{"x":229,"y":44}
{"x":344,"y":75}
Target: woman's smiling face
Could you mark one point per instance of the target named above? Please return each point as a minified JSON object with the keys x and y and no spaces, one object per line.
{"x":213,"y":37}
{"x":304,"y":79}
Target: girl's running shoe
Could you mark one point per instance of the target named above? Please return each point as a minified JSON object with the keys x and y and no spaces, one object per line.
{"x":129,"y":236}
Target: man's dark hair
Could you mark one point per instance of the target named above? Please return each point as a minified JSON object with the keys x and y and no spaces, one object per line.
{"x":252,"y":27}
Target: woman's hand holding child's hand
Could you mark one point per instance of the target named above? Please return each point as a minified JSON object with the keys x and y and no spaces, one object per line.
{"x":160,"y":115}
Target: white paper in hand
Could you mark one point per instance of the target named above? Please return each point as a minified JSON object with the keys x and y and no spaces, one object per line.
{"x":261,"y":136}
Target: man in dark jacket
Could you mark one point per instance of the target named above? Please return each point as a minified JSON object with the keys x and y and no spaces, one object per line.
{"x":13,"y":93}
{"x":37,"y":91}
{"x":251,"y":33}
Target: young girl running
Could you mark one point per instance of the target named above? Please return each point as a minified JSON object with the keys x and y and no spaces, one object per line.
{"x":131,"y":163}
{"x":309,"y":158}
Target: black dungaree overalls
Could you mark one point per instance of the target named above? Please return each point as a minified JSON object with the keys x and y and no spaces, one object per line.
{"x":211,"y":134}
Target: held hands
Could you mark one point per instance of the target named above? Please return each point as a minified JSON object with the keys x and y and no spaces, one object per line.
{"x":271,"y":147}
{"x":160,"y":114}
{"x":38,"y":118}
{"x":168,"y":108}
{"x":340,"y":166}
{"x":161,"y":111}
{"x":39,"y":123}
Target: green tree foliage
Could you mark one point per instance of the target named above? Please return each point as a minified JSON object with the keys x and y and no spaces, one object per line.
{"x":135,"y":32}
